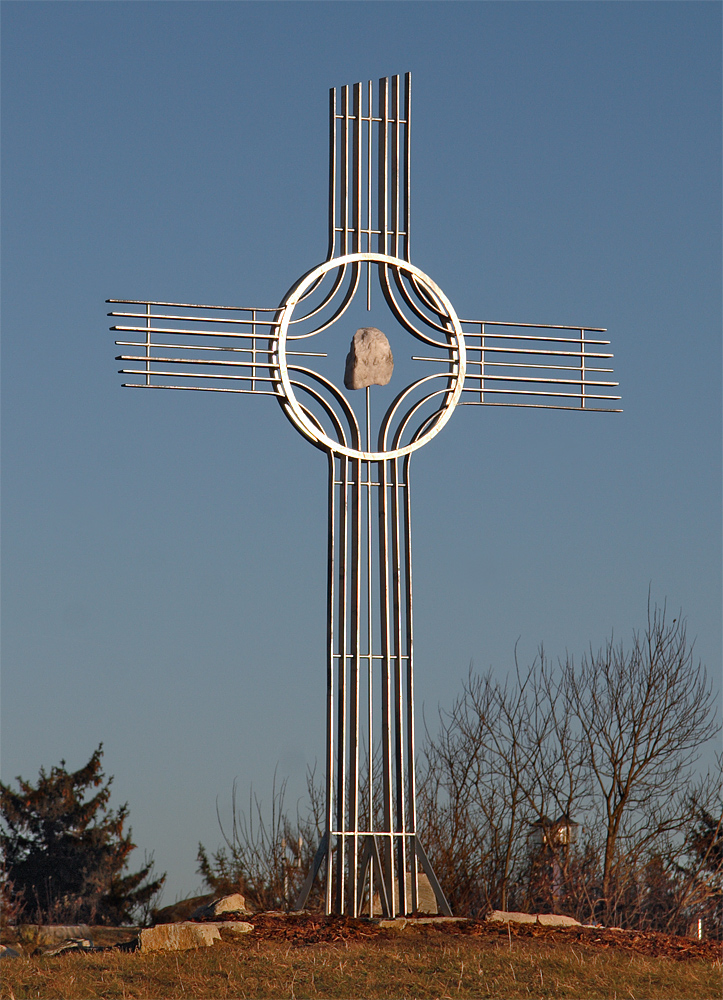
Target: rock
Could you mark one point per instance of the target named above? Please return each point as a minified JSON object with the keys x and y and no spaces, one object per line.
{"x":7,"y":952}
{"x":369,"y":361}
{"x":41,"y":935}
{"x":396,"y":924}
{"x":181,"y":910}
{"x":235,"y":927}
{"x":72,"y":944}
{"x":557,"y":920}
{"x":426,"y":900}
{"x":545,"y":919}
{"x":235,"y":903}
{"x":178,"y":937}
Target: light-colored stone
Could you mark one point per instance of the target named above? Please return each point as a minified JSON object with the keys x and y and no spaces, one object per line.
{"x":235,"y":903}
{"x":178,"y":937}
{"x":181,"y":910}
{"x":73,"y":944}
{"x":545,"y":919}
{"x":397,"y":924}
{"x":40,"y":935}
{"x":236,"y":927}
{"x":426,"y":900}
{"x":369,"y":361}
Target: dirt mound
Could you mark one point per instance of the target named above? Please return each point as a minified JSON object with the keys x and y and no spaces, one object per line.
{"x":307,"y":928}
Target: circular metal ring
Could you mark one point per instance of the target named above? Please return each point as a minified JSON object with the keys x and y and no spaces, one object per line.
{"x":301,"y":417}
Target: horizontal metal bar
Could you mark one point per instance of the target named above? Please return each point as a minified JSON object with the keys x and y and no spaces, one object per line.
{"x":373,"y":118}
{"x":240,"y":350}
{"x":190,"y":305}
{"x":197,"y":333}
{"x":198,"y":388}
{"x":537,"y":352}
{"x":365,"y":656}
{"x":531,"y":326}
{"x":531,"y":378}
{"x":535,"y":392}
{"x":192,"y":319}
{"x":531,"y":364}
{"x":154,"y":359}
{"x":372,"y":833}
{"x":240,"y":378}
{"x":547,"y":406}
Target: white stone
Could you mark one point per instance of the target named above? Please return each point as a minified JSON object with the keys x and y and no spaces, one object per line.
{"x":545,"y":919}
{"x":426,"y":900}
{"x":235,"y":903}
{"x":236,"y":927}
{"x":178,"y":937}
{"x":369,"y":361}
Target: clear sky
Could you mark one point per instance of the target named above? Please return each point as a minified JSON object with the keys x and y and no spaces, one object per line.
{"x":164,"y":553}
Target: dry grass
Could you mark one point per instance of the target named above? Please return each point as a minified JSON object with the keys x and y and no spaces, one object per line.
{"x":410,"y":964}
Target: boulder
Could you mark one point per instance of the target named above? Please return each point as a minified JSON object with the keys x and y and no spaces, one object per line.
{"x":426,"y":900}
{"x":72,"y":944}
{"x":235,"y":903}
{"x":181,"y":910}
{"x":235,"y":928}
{"x":47,"y":935}
{"x":545,"y":919}
{"x":178,"y":937}
{"x":369,"y":361}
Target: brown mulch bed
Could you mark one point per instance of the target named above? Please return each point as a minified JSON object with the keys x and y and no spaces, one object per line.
{"x":306,"y":928}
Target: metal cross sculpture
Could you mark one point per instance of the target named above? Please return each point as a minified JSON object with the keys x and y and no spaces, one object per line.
{"x":370,"y":851}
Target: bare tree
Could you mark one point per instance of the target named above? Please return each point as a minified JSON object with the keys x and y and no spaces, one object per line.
{"x":267,"y":854}
{"x":612,"y":742}
{"x":643,"y":715}
{"x":502,"y":759}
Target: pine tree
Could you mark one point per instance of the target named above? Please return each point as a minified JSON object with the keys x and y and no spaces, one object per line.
{"x":65,"y":853}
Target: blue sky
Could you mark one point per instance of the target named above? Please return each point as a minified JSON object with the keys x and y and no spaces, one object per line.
{"x":164,"y":553}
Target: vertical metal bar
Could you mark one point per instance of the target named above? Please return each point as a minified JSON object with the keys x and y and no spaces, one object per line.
{"x":356,"y":166}
{"x":370,"y":647}
{"x":395,"y":166}
{"x":354,"y":686}
{"x":482,"y":363}
{"x":382,"y":195}
{"x":148,"y":343}
{"x":407,"y":162}
{"x":330,"y":666}
{"x":386,"y":677}
{"x":400,"y":810}
{"x":253,"y":350}
{"x":582,"y":369}
{"x":343,"y":604}
{"x":345,"y":171}
{"x":411,"y":769}
{"x":332,"y":174}
{"x":369,"y":145}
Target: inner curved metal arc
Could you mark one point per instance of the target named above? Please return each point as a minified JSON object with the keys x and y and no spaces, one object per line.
{"x":423,"y":293}
{"x":426,"y":423}
{"x":403,"y":319}
{"x":338,"y":425}
{"x":337,"y":394}
{"x":314,"y":285}
{"x":436,"y":307}
{"x":397,"y":401}
{"x":331,"y":294}
{"x":341,"y":309}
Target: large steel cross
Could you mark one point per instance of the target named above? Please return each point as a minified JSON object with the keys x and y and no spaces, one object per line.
{"x":370,"y":850}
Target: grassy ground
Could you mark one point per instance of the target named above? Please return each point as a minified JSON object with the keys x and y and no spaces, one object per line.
{"x":412,"y":964}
